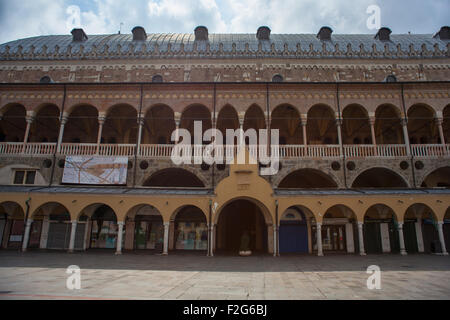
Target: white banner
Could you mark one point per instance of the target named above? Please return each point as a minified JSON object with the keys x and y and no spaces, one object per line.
{"x":95,"y":170}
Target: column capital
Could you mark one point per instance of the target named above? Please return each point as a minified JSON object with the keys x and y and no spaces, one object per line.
{"x":404,"y":122}
{"x":64,"y":119}
{"x":29,"y":119}
{"x":303,"y":121}
{"x":400,"y":224}
{"x":338,"y":122}
{"x":29,"y":222}
{"x":120,"y":223}
{"x":372,"y":120}
{"x":438,"y":121}
{"x":440,"y":223}
{"x":74,"y":221}
{"x":360,"y":223}
{"x":101,"y":119}
{"x":167,"y":223}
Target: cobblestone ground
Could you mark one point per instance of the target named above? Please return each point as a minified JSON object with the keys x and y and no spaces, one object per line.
{"x":42,"y":275}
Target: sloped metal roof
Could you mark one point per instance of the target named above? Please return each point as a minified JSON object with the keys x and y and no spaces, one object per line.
{"x":122,"y":46}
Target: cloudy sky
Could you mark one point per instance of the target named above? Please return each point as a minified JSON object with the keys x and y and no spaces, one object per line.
{"x":26,"y":18}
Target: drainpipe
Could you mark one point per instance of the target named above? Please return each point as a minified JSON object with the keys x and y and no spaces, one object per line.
{"x":407,"y":143}
{"x":209,"y":254}
{"x":57,"y":144}
{"x":276,"y":252}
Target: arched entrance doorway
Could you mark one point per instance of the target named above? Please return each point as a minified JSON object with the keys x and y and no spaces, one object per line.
{"x":236,"y":218}
{"x":293,"y":231}
{"x":381,"y":230}
{"x":11,"y":225}
{"x":104,"y":228}
{"x":190,"y":230}
{"x":144,"y":229}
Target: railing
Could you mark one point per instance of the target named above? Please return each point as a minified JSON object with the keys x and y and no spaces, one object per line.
{"x":78,"y":149}
{"x":311,"y":151}
{"x":430,"y":150}
{"x":375,"y":151}
{"x":31,"y":148}
{"x":229,"y":152}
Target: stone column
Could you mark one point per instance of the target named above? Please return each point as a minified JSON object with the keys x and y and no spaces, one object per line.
{"x":339,"y":132}
{"x":419,"y":236}
{"x":87,"y":232}
{"x":402,"y":240}
{"x":441,"y":238}
{"x":101,"y":122}
{"x":177,"y":118}
{"x":362,"y":252}
{"x":406,"y":136}
{"x":26,"y":236}
{"x":29,"y":119}
{"x":441,"y":131}
{"x":139,"y":137}
{"x":72,"y":236}
{"x":319,"y":239}
{"x":372,"y":130}
{"x":64,"y":120}
{"x":44,"y":233}
{"x":212,"y":246}
{"x":166,"y":238}
{"x":303,"y":122}
{"x":275,"y":241}
{"x":119,"y":237}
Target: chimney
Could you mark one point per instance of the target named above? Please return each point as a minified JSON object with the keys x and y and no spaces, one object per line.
{"x":263,"y":33}
{"x":325,"y":33}
{"x":201,"y":33}
{"x":78,"y":35}
{"x":443,"y":34}
{"x":139,"y":34}
{"x":383,"y":34}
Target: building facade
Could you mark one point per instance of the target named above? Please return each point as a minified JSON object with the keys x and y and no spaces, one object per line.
{"x":363,"y":157}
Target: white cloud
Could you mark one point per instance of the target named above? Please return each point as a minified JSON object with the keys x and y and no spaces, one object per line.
{"x":19,"y":19}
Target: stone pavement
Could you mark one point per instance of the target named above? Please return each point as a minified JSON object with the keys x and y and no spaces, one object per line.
{"x":42,"y":275}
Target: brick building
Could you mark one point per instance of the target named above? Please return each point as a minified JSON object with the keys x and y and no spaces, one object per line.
{"x":87,"y":121}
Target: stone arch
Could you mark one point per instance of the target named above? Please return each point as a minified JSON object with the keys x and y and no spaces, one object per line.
{"x":379,"y":177}
{"x":227,"y":118}
{"x":307,"y":178}
{"x":12,"y":209}
{"x":422,"y":128}
{"x":437,"y":177}
{"x":264,"y":210}
{"x":13,"y":123}
{"x":45,"y":127}
{"x":446,"y":123}
{"x":50,"y":208}
{"x":380,"y":229}
{"x":174,"y":177}
{"x":355,"y":125}
{"x":254,"y":219}
{"x":286,"y":118}
{"x":82,"y":124}
{"x":159,"y":123}
{"x":188,"y":228}
{"x":388,"y":128}
{"x":144,"y":227}
{"x":321,"y":125}
{"x":195,"y":112}
{"x":121,"y":124}
{"x":426,"y":219}
{"x":254,"y":117}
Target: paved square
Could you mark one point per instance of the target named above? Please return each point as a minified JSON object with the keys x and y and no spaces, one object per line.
{"x":42,"y":275}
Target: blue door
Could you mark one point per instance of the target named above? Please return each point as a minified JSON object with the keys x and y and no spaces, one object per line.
{"x":293,"y":238}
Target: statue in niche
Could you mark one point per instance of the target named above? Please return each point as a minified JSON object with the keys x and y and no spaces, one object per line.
{"x":245,"y":245}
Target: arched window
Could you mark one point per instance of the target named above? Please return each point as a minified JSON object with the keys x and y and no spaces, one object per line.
{"x":46,"y":79}
{"x":157,"y":78}
{"x":390,"y":78}
{"x":277,"y":78}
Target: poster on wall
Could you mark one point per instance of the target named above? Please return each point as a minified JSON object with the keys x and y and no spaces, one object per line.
{"x":95,"y":170}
